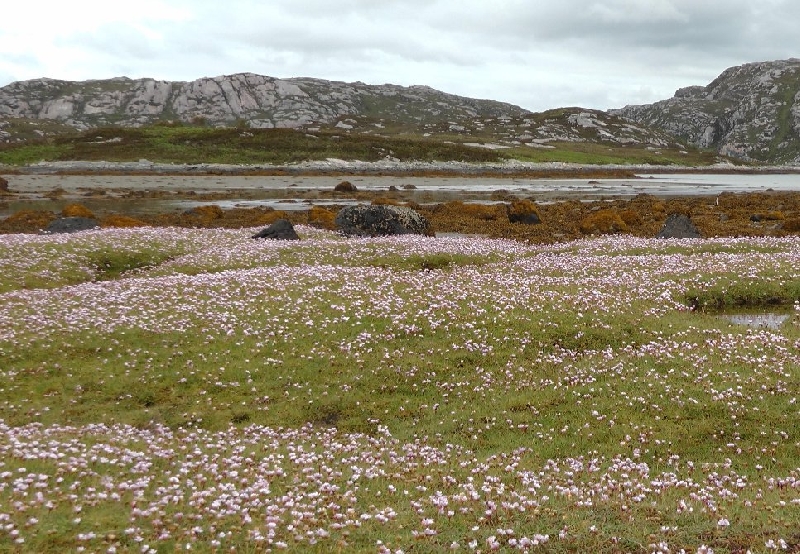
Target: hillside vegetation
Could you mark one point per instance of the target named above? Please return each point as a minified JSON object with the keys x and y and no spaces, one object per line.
{"x":187,"y":144}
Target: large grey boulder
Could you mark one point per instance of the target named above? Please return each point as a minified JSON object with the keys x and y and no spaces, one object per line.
{"x":378,"y":220}
{"x":282,"y":229}
{"x":679,"y":226}
{"x":71,"y":225}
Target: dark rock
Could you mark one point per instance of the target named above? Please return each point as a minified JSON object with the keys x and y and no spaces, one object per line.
{"x":678,"y":226}
{"x":409,"y":187}
{"x":282,"y":229}
{"x":345,"y":186}
{"x":378,"y":220}
{"x":530,"y":219}
{"x":756,"y":218}
{"x":3,"y":185}
{"x":393,"y":188}
{"x":72,"y":225}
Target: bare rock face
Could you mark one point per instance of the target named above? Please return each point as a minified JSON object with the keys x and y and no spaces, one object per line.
{"x":751,"y":112}
{"x":261,"y":101}
{"x":379,"y":220}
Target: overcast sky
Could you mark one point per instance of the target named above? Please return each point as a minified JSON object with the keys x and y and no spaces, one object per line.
{"x":538,"y":54}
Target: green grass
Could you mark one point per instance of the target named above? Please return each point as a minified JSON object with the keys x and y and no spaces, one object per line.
{"x":193,"y":144}
{"x":187,"y":144}
{"x":603,"y":154}
{"x":557,"y":378}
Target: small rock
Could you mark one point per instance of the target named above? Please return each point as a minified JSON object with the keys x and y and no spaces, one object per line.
{"x":282,"y":229}
{"x":678,"y":226}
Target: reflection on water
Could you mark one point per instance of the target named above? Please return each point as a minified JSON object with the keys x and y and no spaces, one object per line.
{"x":758,"y":321}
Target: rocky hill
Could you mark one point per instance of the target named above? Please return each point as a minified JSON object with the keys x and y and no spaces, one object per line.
{"x":750,"y":112}
{"x":260,"y":101}
{"x":48,"y":107}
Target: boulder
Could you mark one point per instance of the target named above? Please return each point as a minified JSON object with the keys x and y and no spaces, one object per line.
{"x":345,"y":186}
{"x":383,"y":219}
{"x":678,"y":226}
{"x":282,"y":229}
{"x":3,"y":185}
{"x":71,"y":225}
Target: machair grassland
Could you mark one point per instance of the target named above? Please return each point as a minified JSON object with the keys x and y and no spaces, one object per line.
{"x":173,"y":389}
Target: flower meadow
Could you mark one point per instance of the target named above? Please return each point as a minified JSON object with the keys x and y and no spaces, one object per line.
{"x":197,"y":390}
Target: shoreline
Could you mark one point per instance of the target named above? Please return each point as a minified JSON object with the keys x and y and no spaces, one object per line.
{"x":336,"y":167}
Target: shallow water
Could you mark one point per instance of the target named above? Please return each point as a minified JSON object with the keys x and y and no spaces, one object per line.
{"x":105,"y":194}
{"x":758,"y":321}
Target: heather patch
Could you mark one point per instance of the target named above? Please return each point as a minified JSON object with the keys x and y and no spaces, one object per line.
{"x":215,"y":392}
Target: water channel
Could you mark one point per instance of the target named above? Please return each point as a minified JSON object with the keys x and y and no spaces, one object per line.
{"x":164,"y":193}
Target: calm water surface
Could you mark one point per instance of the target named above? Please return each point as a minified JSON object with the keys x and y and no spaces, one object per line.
{"x":299,"y":193}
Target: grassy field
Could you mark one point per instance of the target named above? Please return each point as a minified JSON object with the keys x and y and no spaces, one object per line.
{"x":241,"y":145}
{"x":191,"y":145}
{"x":174,"y":389}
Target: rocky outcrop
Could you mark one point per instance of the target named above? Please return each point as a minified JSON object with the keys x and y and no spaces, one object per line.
{"x":751,"y":112}
{"x":379,"y":220}
{"x":45,"y":107}
{"x":261,"y":101}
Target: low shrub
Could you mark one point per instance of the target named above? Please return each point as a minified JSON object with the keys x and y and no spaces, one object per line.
{"x":523,"y":211}
{"x":208,"y":212}
{"x":384,"y":201}
{"x":268,"y":218}
{"x":322,"y":218}
{"x":482,"y":211}
{"x":121,"y":221}
{"x":77,"y":210}
{"x":603,"y":222}
{"x":791,"y":225}
{"x":630,"y":217}
{"x":27,"y":221}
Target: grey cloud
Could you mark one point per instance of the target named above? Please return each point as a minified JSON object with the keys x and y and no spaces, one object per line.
{"x":594,"y":53}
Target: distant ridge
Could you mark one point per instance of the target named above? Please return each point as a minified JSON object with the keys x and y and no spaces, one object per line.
{"x":261,"y":101}
{"x":750,"y":112}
